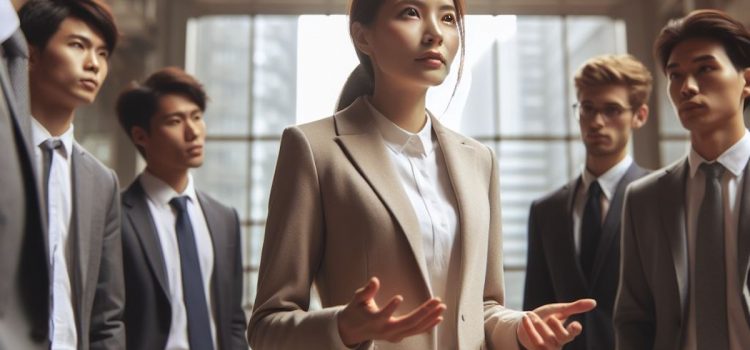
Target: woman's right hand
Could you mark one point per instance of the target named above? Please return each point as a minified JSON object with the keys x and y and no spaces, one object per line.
{"x":363,"y":320}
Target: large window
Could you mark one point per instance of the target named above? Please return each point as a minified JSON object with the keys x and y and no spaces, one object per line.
{"x":266,"y":72}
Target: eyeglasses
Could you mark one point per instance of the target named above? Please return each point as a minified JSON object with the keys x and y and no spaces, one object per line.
{"x":588,"y":112}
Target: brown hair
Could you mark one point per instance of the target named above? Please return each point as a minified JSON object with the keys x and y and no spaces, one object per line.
{"x":709,"y":24}
{"x":138,"y":103}
{"x":365,"y":12}
{"x":624,"y":70}
{"x":40,"y":19}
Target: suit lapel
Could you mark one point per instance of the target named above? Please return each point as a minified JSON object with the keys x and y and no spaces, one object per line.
{"x":461,"y":166}
{"x":743,"y":230}
{"x":135,"y":210}
{"x":83,"y":211}
{"x":672,"y":207}
{"x":567,"y":238}
{"x":361,"y":141}
{"x":611,"y":226}
{"x":218,"y":230}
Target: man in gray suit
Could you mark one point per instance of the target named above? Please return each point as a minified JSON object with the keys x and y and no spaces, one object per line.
{"x":574,"y":231}
{"x":686,"y":228}
{"x":24,"y":290}
{"x":181,"y":248}
{"x":69,"y":43}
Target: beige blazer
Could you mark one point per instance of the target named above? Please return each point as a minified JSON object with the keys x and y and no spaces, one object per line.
{"x":338,"y":215}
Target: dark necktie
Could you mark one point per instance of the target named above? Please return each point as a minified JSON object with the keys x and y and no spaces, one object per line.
{"x":591,"y":229}
{"x":710,"y":267}
{"x":199,"y":328}
{"x":48,"y":147}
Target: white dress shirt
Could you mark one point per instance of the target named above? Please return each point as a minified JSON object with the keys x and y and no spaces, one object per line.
{"x":421,"y":168}
{"x":608,"y":182}
{"x":59,"y":210}
{"x":158,"y":195}
{"x":734,"y":160}
{"x":8,"y":20}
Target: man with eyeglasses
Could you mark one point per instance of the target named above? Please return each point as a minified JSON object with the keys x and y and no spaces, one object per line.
{"x":573,"y":232}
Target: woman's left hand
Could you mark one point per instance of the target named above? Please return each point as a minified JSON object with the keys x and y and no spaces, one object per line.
{"x":543,"y":329}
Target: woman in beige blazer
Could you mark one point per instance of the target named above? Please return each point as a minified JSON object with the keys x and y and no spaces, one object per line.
{"x":393,"y":217}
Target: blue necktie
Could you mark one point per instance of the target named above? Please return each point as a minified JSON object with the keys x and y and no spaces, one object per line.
{"x":199,"y":328}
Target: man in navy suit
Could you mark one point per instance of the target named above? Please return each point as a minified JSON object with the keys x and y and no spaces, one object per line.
{"x":181,"y":248}
{"x":574,"y":231}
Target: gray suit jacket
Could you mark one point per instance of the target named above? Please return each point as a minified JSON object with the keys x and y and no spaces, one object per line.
{"x":24,"y":290}
{"x":148,"y":311}
{"x":553,"y":271}
{"x":652,"y":301}
{"x":97,"y":280}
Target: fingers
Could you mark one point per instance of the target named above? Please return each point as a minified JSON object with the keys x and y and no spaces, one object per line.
{"x":368,"y":291}
{"x":391,"y":307}
{"x":541,"y":333}
{"x":419,"y":320}
{"x":564,"y":310}
{"x":576,"y":307}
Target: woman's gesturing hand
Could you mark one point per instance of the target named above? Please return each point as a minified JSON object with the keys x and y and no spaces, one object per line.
{"x":362,"y":319}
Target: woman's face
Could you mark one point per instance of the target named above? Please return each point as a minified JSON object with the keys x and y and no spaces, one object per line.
{"x":411,"y":42}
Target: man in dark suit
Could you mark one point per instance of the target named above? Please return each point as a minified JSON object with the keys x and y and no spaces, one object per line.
{"x":69,"y":46}
{"x":24,"y":306}
{"x":183,"y":266}
{"x":686,"y":228}
{"x":574,"y":231}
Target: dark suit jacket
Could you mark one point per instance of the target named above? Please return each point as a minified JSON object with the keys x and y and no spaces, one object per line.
{"x":553,"y":272}
{"x":97,"y":280}
{"x":24,"y":275}
{"x":652,"y":301}
{"x":148,"y":313}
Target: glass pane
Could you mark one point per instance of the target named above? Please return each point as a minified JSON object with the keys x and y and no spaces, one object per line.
{"x":274,"y":74}
{"x":224,"y":174}
{"x":528,"y":170}
{"x":532,"y":85}
{"x":221,"y":62}
{"x":264,"y":163}
{"x":326,"y":57}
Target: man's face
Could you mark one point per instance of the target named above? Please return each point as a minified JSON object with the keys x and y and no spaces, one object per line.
{"x":71,"y":68}
{"x":606,"y":119}
{"x":706,"y":90}
{"x":176,"y":135}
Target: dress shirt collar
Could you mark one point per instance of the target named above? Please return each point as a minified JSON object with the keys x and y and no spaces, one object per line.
{"x":734,"y":159}
{"x":609,"y":180}
{"x":8,"y":20}
{"x":40,"y":134}
{"x":161,"y":193}
{"x":400,"y":140}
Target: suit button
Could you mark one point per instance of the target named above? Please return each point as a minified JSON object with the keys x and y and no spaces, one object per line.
{"x":463,"y":319}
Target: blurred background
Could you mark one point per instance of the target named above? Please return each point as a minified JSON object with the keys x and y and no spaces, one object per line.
{"x":267,"y":64}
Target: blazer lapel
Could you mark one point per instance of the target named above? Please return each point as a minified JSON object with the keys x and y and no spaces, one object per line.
{"x":218,"y":230}
{"x":611,"y":226}
{"x":566,"y":239}
{"x":672,"y":204}
{"x":135,"y":209}
{"x":83,"y":211}
{"x":743,"y":231}
{"x":361,"y":141}
{"x":461,"y":166}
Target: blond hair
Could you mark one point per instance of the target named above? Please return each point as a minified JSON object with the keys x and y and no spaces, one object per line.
{"x":624,"y":70}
